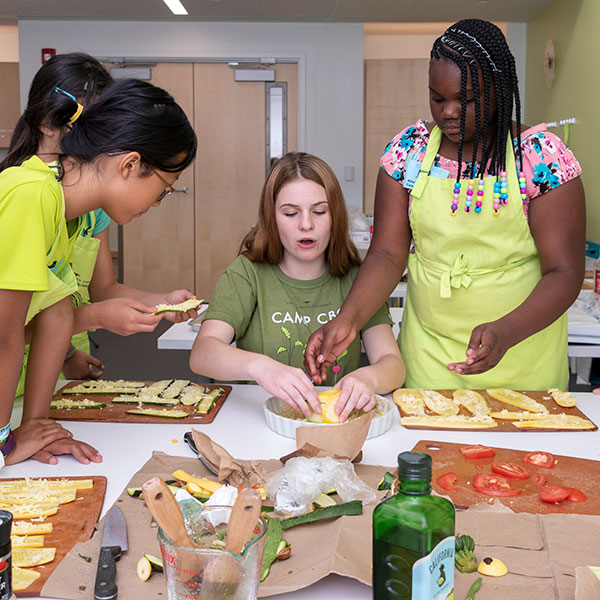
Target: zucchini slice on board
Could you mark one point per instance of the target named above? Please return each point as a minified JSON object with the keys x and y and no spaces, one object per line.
{"x":158,"y":412}
{"x":517,"y":399}
{"x":67,"y":403}
{"x":144,"y":399}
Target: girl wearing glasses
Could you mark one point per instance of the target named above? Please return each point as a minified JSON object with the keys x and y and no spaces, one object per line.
{"x":116,"y":156}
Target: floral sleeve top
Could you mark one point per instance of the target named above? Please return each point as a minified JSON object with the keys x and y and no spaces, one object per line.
{"x":547,"y":161}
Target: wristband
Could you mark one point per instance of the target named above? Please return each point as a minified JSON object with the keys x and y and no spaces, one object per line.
{"x":9,"y":445}
{"x":4,"y":433}
{"x":70,"y":353}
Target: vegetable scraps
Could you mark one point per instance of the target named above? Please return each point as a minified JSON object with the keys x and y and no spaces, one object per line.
{"x":464,"y":555}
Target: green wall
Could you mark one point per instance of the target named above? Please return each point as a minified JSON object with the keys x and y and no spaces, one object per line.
{"x":574,"y":26}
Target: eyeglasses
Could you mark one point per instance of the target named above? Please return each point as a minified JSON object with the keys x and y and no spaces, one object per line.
{"x":168,"y":190}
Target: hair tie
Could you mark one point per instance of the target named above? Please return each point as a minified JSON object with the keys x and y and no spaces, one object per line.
{"x":79,"y":110}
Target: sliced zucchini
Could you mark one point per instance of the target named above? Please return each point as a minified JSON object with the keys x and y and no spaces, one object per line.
{"x":205,"y":406}
{"x":143,"y":569}
{"x":67,"y":403}
{"x":157,"y":412}
{"x":330,"y":512}
{"x":134,"y":492}
{"x":190,"y":304}
{"x":157,"y":387}
{"x":386,"y":481}
{"x":192,"y":395}
{"x":176,"y":388}
{"x":155,"y":562}
{"x":106,"y":386}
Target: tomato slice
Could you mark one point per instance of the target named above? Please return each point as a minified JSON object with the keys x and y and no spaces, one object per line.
{"x":477,"y":451}
{"x":494,"y":485}
{"x":554,"y":493}
{"x":576,"y":495}
{"x":540,"y":479}
{"x":447,"y":481}
{"x":511,"y":470}
{"x":545,"y":460}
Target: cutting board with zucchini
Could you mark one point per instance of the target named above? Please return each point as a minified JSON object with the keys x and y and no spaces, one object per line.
{"x":491,"y":410}
{"x":49,"y":517}
{"x":165,"y":401}
{"x":516,"y":478}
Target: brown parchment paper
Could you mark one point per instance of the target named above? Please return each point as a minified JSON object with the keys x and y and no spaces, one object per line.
{"x":542,"y":552}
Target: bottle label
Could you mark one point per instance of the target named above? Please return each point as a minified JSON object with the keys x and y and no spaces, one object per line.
{"x":6,"y":577}
{"x":597,"y":280}
{"x":433,"y":575}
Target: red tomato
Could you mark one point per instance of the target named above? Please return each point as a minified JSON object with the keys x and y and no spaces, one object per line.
{"x":511,"y":470}
{"x":540,"y":459}
{"x":494,"y":485}
{"x":540,"y":479}
{"x":576,"y":495}
{"x":447,"y":481}
{"x":477,"y":451}
{"x":554,"y":493}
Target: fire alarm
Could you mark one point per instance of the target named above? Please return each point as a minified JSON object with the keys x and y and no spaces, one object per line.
{"x":47,"y":54}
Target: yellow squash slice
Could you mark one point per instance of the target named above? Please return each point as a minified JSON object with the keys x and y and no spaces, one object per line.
{"x":439,"y":404}
{"x":207,"y":484}
{"x":561,"y":421}
{"x":517,"y":399}
{"x":515,"y":415}
{"x":31,"y":557}
{"x":473,"y":401}
{"x":328,"y":400}
{"x":410,"y":401}
{"x":23,"y":578}
{"x":28,"y":528}
{"x":38,"y":496}
{"x":27,"y":541}
{"x":33,"y":511}
{"x":18,"y":485}
{"x":451,"y":422}
{"x":561,"y":398}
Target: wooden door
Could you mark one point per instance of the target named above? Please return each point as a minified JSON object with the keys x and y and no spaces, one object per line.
{"x":396,"y":96}
{"x":9,"y":101}
{"x":158,"y":248}
{"x":229,"y":118}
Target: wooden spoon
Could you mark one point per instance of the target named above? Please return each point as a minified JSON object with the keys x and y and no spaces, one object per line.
{"x":165,"y":511}
{"x":223,"y":574}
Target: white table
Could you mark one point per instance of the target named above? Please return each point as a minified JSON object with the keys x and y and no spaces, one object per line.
{"x":126,"y":447}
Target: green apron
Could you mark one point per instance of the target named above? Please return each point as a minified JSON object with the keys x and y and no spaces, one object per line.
{"x":467,"y":270}
{"x":85,"y":252}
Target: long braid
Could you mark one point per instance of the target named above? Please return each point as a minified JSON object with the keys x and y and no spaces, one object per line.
{"x":482,"y":42}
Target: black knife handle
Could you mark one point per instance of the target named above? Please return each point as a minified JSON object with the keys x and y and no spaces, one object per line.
{"x":105,"y":587}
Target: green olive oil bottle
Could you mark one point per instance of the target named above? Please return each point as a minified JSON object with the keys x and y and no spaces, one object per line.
{"x":413,"y":537}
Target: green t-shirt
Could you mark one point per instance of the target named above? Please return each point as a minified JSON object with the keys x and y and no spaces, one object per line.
{"x":31,"y":214}
{"x":273,"y":314}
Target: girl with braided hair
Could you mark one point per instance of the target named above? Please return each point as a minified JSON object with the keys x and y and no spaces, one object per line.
{"x":496,"y":213}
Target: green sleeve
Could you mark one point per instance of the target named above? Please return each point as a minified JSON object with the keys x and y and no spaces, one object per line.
{"x":382,"y":316}
{"x":234,"y":299}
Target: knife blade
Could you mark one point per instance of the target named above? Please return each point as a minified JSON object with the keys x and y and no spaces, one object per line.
{"x":114,"y":541}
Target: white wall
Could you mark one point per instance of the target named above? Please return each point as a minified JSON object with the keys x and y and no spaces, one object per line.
{"x":330,"y":72}
{"x":9,"y":43}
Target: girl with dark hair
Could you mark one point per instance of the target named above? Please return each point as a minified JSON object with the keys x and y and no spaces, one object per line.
{"x":294,"y":270}
{"x":119,"y":154}
{"x":498,"y":240}
{"x":100,"y":301}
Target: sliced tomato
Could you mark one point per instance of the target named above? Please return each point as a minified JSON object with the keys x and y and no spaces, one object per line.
{"x":494,"y":485}
{"x":554,"y":493}
{"x":447,"y":481}
{"x":477,"y":451}
{"x":576,"y":495}
{"x":540,"y":479}
{"x":511,"y":470}
{"x":545,"y":460}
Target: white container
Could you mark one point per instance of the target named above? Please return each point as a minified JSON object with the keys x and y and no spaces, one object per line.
{"x":286,"y":427}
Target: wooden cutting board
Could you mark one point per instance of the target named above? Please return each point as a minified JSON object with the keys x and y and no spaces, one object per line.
{"x":117,"y":413}
{"x":504,"y":425}
{"x":74,"y":522}
{"x":579,"y":473}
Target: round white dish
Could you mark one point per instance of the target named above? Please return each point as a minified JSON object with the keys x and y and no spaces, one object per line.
{"x":287,"y":427}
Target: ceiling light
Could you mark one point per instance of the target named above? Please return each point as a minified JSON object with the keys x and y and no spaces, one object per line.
{"x":176,"y":7}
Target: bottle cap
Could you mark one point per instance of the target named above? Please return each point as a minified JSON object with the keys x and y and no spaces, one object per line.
{"x":414,"y":465}
{"x":5,"y":527}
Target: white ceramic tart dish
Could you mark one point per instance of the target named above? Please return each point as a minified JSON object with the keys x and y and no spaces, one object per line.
{"x":275,"y":409}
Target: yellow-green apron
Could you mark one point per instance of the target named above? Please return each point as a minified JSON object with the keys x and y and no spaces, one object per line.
{"x":467,"y":270}
{"x":85,"y":253}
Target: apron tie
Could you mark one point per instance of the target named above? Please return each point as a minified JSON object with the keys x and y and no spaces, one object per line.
{"x":455,"y":277}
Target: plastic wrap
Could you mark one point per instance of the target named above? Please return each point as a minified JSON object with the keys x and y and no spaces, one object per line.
{"x":294,"y":488}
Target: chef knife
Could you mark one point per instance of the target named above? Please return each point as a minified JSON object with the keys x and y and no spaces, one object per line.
{"x":114,"y":541}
